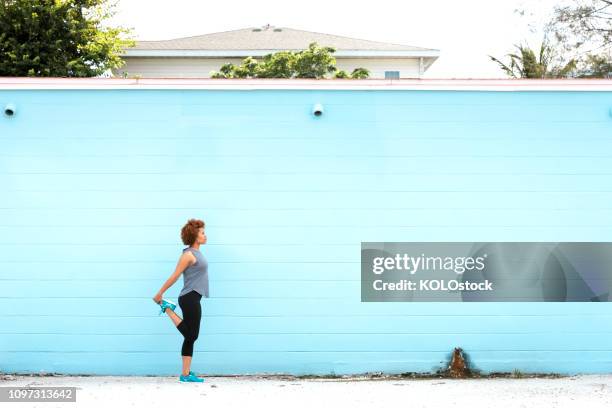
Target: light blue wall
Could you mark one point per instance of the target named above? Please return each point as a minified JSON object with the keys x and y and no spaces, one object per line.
{"x":96,"y":185}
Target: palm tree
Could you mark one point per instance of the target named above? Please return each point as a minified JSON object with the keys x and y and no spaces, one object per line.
{"x":527,"y":65}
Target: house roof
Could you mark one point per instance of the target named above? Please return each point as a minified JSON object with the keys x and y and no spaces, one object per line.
{"x":269,"y":39}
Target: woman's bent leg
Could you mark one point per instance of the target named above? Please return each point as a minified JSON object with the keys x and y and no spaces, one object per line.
{"x":190,"y":325}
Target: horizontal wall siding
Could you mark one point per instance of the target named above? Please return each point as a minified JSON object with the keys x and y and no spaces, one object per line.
{"x":96,"y":185}
{"x":407,"y":67}
{"x":172,"y":67}
{"x":194,"y":67}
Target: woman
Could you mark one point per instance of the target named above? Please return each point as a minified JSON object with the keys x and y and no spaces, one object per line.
{"x":194,"y":268}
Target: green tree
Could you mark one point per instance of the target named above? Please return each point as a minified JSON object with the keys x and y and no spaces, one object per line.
{"x":315,"y":62}
{"x":226,"y":71}
{"x":583,"y":28}
{"x":526,"y":64}
{"x":277,"y":65}
{"x":583,"y":23}
{"x":360,"y":73}
{"x":596,"y":66}
{"x":248,"y":68}
{"x":582,"y":32}
{"x":61,"y":38}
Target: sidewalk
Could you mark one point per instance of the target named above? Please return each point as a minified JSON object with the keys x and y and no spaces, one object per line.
{"x":592,"y":391}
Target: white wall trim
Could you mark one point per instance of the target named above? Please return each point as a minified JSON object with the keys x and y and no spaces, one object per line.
{"x":309,"y":84}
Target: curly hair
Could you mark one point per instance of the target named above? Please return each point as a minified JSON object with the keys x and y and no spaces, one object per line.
{"x":189,"y":232}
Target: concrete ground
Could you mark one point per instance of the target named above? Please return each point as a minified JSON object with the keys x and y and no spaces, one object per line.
{"x":592,"y":391}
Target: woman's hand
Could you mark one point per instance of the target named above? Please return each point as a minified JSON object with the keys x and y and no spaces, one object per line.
{"x":157,"y":298}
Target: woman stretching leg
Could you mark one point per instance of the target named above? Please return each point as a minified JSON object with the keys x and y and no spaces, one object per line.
{"x":194,"y":268}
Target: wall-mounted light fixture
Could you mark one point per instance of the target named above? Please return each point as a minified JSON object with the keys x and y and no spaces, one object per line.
{"x":9,"y":110}
{"x":317,"y":109}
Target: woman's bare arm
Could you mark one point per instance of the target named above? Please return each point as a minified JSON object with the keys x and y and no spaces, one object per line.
{"x":184,"y":261}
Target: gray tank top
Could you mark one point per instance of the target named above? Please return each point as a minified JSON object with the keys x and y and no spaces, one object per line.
{"x":195,"y":277}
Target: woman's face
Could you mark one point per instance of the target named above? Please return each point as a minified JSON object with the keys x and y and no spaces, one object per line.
{"x":201,"y":236}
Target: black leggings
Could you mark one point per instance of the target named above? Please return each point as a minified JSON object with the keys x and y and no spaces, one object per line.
{"x":190,"y":326}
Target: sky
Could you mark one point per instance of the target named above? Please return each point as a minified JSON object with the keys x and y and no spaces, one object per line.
{"x":465,"y":32}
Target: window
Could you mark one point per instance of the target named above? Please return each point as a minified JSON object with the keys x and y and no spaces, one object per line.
{"x":391,"y":74}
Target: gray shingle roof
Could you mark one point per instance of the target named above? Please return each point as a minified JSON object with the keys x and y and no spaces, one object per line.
{"x":270,"y":38}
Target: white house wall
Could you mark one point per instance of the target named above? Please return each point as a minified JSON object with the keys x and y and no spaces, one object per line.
{"x":200,"y":67}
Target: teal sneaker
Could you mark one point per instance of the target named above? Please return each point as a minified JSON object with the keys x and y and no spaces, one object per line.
{"x":190,"y":378}
{"x":164,"y":304}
